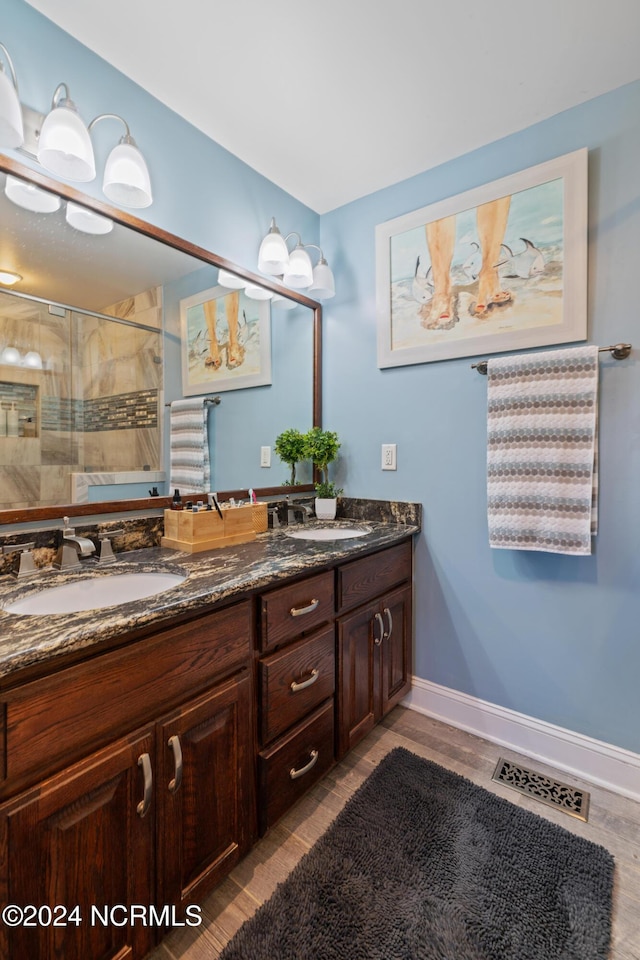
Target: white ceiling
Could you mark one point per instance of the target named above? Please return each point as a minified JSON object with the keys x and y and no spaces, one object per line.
{"x":335,"y":99}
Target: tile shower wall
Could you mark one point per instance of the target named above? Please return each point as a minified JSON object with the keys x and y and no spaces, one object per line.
{"x":95,"y":403}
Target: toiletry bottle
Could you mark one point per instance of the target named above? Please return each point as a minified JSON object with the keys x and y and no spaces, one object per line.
{"x":176,"y":503}
{"x":29,"y":427}
{"x":12,"y":421}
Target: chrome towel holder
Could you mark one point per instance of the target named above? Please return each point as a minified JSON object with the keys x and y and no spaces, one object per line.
{"x":619,"y":351}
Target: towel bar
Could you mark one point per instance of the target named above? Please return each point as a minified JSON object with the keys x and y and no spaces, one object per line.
{"x":214,"y":400}
{"x":619,"y":351}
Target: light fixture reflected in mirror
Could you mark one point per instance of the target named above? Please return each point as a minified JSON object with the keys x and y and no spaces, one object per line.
{"x":294,"y":267}
{"x":230,"y":280}
{"x":30,"y":197}
{"x":283,"y":303}
{"x":254,"y":292}
{"x":9,"y":277}
{"x":32,"y":359}
{"x":81,"y":218}
{"x":11,"y":355}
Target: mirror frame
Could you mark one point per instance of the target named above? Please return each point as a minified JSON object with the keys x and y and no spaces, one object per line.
{"x":28,"y":514}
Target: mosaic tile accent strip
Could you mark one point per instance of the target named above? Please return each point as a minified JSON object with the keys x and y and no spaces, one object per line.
{"x":554,"y":793}
{"x":62,"y":413}
{"x":124,"y":411}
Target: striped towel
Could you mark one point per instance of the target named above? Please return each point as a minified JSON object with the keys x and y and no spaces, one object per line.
{"x":542,"y":487}
{"x":189,"y":446}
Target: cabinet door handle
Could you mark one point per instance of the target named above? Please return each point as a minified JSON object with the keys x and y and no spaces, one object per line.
{"x":300,"y":611}
{"x":378,"y":640}
{"x":174,"y":744}
{"x":389,"y":631}
{"x":303,"y":684}
{"x":144,"y":761}
{"x":294,"y":774}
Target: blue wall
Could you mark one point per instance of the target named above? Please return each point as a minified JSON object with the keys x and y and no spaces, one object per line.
{"x":557,"y":638}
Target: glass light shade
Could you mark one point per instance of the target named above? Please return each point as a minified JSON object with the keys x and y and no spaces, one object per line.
{"x":11,"y":128}
{"x":33,"y":359}
{"x":299,"y":273}
{"x":126,"y":177}
{"x":230,"y":280}
{"x":86,"y":220}
{"x":254,"y":292}
{"x":31,"y":197}
{"x":283,"y":303}
{"x":64,"y":145}
{"x":273,"y":257}
{"x":323,"y":286}
{"x":11,"y":355}
{"x":8,"y":278}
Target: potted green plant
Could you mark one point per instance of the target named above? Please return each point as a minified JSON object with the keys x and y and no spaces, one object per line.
{"x":290,"y":446}
{"x":321,"y":446}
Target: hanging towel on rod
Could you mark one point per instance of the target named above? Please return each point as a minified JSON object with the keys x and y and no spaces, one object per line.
{"x":189,"y":445}
{"x":542,"y":477}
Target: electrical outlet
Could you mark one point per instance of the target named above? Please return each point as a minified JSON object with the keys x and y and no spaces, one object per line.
{"x":265,"y":456}
{"x":389,"y":456}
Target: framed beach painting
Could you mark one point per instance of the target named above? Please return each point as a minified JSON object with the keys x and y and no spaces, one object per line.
{"x":226,"y":341}
{"x":500,"y":267}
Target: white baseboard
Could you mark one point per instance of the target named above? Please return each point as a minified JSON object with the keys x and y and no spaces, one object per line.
{"x":601,"y":763}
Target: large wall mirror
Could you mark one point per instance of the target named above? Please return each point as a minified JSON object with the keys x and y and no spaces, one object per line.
{"x":91,"y":352}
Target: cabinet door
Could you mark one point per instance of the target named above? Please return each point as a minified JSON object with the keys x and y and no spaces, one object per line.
{"x":395,"y":649}
{"x":358,"y":659}
{"x":207,"y":817}
{"x":83,"y":839}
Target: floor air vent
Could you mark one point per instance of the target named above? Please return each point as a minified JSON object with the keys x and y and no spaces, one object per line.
{"x":571,"y":800}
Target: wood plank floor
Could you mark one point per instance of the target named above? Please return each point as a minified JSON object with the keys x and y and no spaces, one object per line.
{"x":614,"y":822}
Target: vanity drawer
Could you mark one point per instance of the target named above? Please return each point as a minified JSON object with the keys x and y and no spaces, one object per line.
{"x":362,"y":580}
{"x":288,"y":612}
{"x":56,"y":720}
{"x":294,"y":763}
{"x":295,"y":680}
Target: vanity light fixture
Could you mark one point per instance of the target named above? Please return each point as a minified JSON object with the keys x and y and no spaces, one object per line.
{"x":61,"y":142}
{"x":294,"y":267}
{"x":11,"y":124}
{"x":254,"y":292}
{"x":9,"y":277}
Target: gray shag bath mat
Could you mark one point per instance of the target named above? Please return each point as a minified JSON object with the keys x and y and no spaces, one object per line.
{"x":422,"y":864}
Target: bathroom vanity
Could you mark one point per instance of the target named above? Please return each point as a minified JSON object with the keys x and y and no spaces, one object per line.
{"x":145,"y":747}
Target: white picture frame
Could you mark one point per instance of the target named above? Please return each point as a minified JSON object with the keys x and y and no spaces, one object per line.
{"x":541,"y":297}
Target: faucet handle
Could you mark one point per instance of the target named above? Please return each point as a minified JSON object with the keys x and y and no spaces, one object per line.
{"x":106,"y":550}
{"x":27,"y":567}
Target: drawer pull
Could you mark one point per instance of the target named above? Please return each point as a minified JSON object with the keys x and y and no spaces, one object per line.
{"x":303,"y":684}
{"x":294,"y":774}
{"x":300,"y":611}
{"x":174,"y":743}
{"x":389,"y":631}
{"x":378,"y":640}
{"x":144,"y":761}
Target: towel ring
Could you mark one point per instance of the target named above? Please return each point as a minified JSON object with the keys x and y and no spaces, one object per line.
{"x":619,"y":351}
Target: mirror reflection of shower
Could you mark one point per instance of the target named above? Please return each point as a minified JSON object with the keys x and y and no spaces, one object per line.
{"x":80,"y":392}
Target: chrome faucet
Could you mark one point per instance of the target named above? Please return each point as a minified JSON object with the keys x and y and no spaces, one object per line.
{"x":27,"y":567}
{"x":305,"y":510}
{"x":72,"y":548}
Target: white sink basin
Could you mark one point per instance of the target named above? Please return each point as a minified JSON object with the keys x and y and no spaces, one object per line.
{"x":328,"y":533}
{"x":95,"y":593}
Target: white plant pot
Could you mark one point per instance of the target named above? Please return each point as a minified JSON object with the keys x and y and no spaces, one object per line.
{"x":326,"y":509}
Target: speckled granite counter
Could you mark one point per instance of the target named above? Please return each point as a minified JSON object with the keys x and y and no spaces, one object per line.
{"x":212,"y":577}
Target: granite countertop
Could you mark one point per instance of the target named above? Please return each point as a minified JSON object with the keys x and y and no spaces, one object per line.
{"x":212,"y":576}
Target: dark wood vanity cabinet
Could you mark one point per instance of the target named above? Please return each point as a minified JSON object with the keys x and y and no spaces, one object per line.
{"x":296,"y":682}
{"x":155,"y":816}
{"x":374,"y":641}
